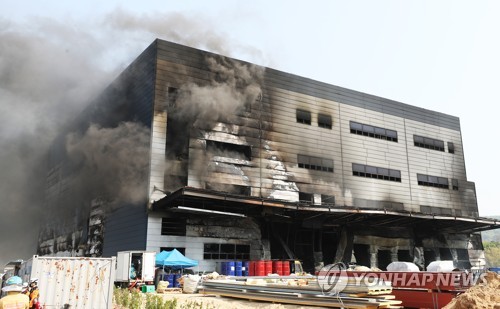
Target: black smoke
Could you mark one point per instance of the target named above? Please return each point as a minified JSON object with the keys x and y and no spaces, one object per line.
{"x":49,"y":71}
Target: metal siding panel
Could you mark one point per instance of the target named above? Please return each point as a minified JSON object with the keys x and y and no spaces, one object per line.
{"x":125,"y":229}
{"x":284,"y":93}
{"x":354,"y":98}
{"x":79,"y":283}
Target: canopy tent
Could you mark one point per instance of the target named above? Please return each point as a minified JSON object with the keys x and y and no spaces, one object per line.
{"x":174,"y":259}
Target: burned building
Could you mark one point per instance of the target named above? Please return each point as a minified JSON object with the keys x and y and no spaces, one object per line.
{"x":230,"y":160}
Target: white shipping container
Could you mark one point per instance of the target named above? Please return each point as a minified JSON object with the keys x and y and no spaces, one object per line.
{"x":75,"y":282}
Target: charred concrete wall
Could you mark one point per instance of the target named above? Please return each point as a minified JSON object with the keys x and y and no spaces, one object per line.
{"x":201,"y":231}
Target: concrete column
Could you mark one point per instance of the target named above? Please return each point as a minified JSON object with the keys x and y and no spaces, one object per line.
{"x":437,"y":254}
{"x":318,"y":260}
{"x":454,"y":255}
{"x":394,"y":254}
{"x":345,"y":246}
{"x":418,"y":257}
{"x":373,"y":256}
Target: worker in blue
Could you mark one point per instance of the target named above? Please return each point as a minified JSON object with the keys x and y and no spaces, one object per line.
{"x":14,"y":298}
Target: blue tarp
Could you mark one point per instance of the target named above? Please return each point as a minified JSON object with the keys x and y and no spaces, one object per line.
{"x":174,"y":259}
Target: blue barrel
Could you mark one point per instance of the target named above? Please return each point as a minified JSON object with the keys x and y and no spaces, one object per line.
{"x":495,"y":269}
{"x":170,"y":279}
{"x":176,"y":283}
{"x":246,"y":266}
{"x":223,"y":268}
{"x":238,"y":268}
{"x":230,"y":268}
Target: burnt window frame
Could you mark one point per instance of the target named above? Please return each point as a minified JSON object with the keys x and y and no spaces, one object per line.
{"x":229,"y":188}
{"x":325,"y":121}
{"x":327,"y":200}
{"x":433,"y":181}
{"x":306,"y":198}
{"x":359,"y":128}
{"x":303,"y":116}
{"x":381,"y":173}
{"x":216,"y":251}
{"x":172,"y":96}
{"x":179,"y":228}
{"x":428,"y":142}
{"x":315,"y":163}
{"x":215,"y":146}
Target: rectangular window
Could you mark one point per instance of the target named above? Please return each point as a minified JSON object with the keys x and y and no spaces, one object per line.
{"x":303,"y":116}
{"x":173,"y":226}
{"x":451,"y":147}
{"x":172,"y":95}
{"x":233,"y":189}
{"x":371,"y":131}
{"x":432,"y":181}
{"x":181,"y":250}
{"x":425,"y":209}
{"x":315,"y":163}
{"x":324,"y":121}
{"x":211,"y":251}
{"x":446,"y":211}
{"x":427,"y":142}
{"x":306,"y":198}
{"x":327,"y":200}
{"x":226,"y":252}
{"x":436,"y":210}
{"x":235,"y":151}
{"x":454,"y":184}
{"x":376,"y":172}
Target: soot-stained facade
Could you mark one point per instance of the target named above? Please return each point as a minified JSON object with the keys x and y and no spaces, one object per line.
{"x":246,"y":162}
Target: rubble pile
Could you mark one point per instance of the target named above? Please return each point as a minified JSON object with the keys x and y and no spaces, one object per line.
{"x":485,"y":294}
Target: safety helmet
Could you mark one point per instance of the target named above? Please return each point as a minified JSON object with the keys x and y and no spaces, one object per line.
{"x":14,"y":280}
{"x":13,"y":284}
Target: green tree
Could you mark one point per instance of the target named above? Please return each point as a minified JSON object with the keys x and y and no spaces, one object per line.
{"x":492,"y":253}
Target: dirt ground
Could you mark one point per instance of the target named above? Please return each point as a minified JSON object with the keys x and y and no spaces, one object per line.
{"x":215,"y":302}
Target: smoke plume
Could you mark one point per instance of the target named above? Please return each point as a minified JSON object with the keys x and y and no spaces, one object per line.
{"x":45,"y":77}
{"x":49,"y":71}
{"x":110,"y":162}
{"x":232,"y":91}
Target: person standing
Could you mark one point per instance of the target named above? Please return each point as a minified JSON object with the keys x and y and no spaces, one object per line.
{"x":14,"y":298}
{"x":34,"y":293}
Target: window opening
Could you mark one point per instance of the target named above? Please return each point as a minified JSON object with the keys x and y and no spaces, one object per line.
{"x":303,"y":116}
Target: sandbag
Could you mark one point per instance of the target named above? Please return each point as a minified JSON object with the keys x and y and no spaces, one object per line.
{"x":162,"y":286}
{"x":191,"y":283}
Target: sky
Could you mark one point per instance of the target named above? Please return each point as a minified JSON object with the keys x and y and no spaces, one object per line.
{"x":55,"y":55}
